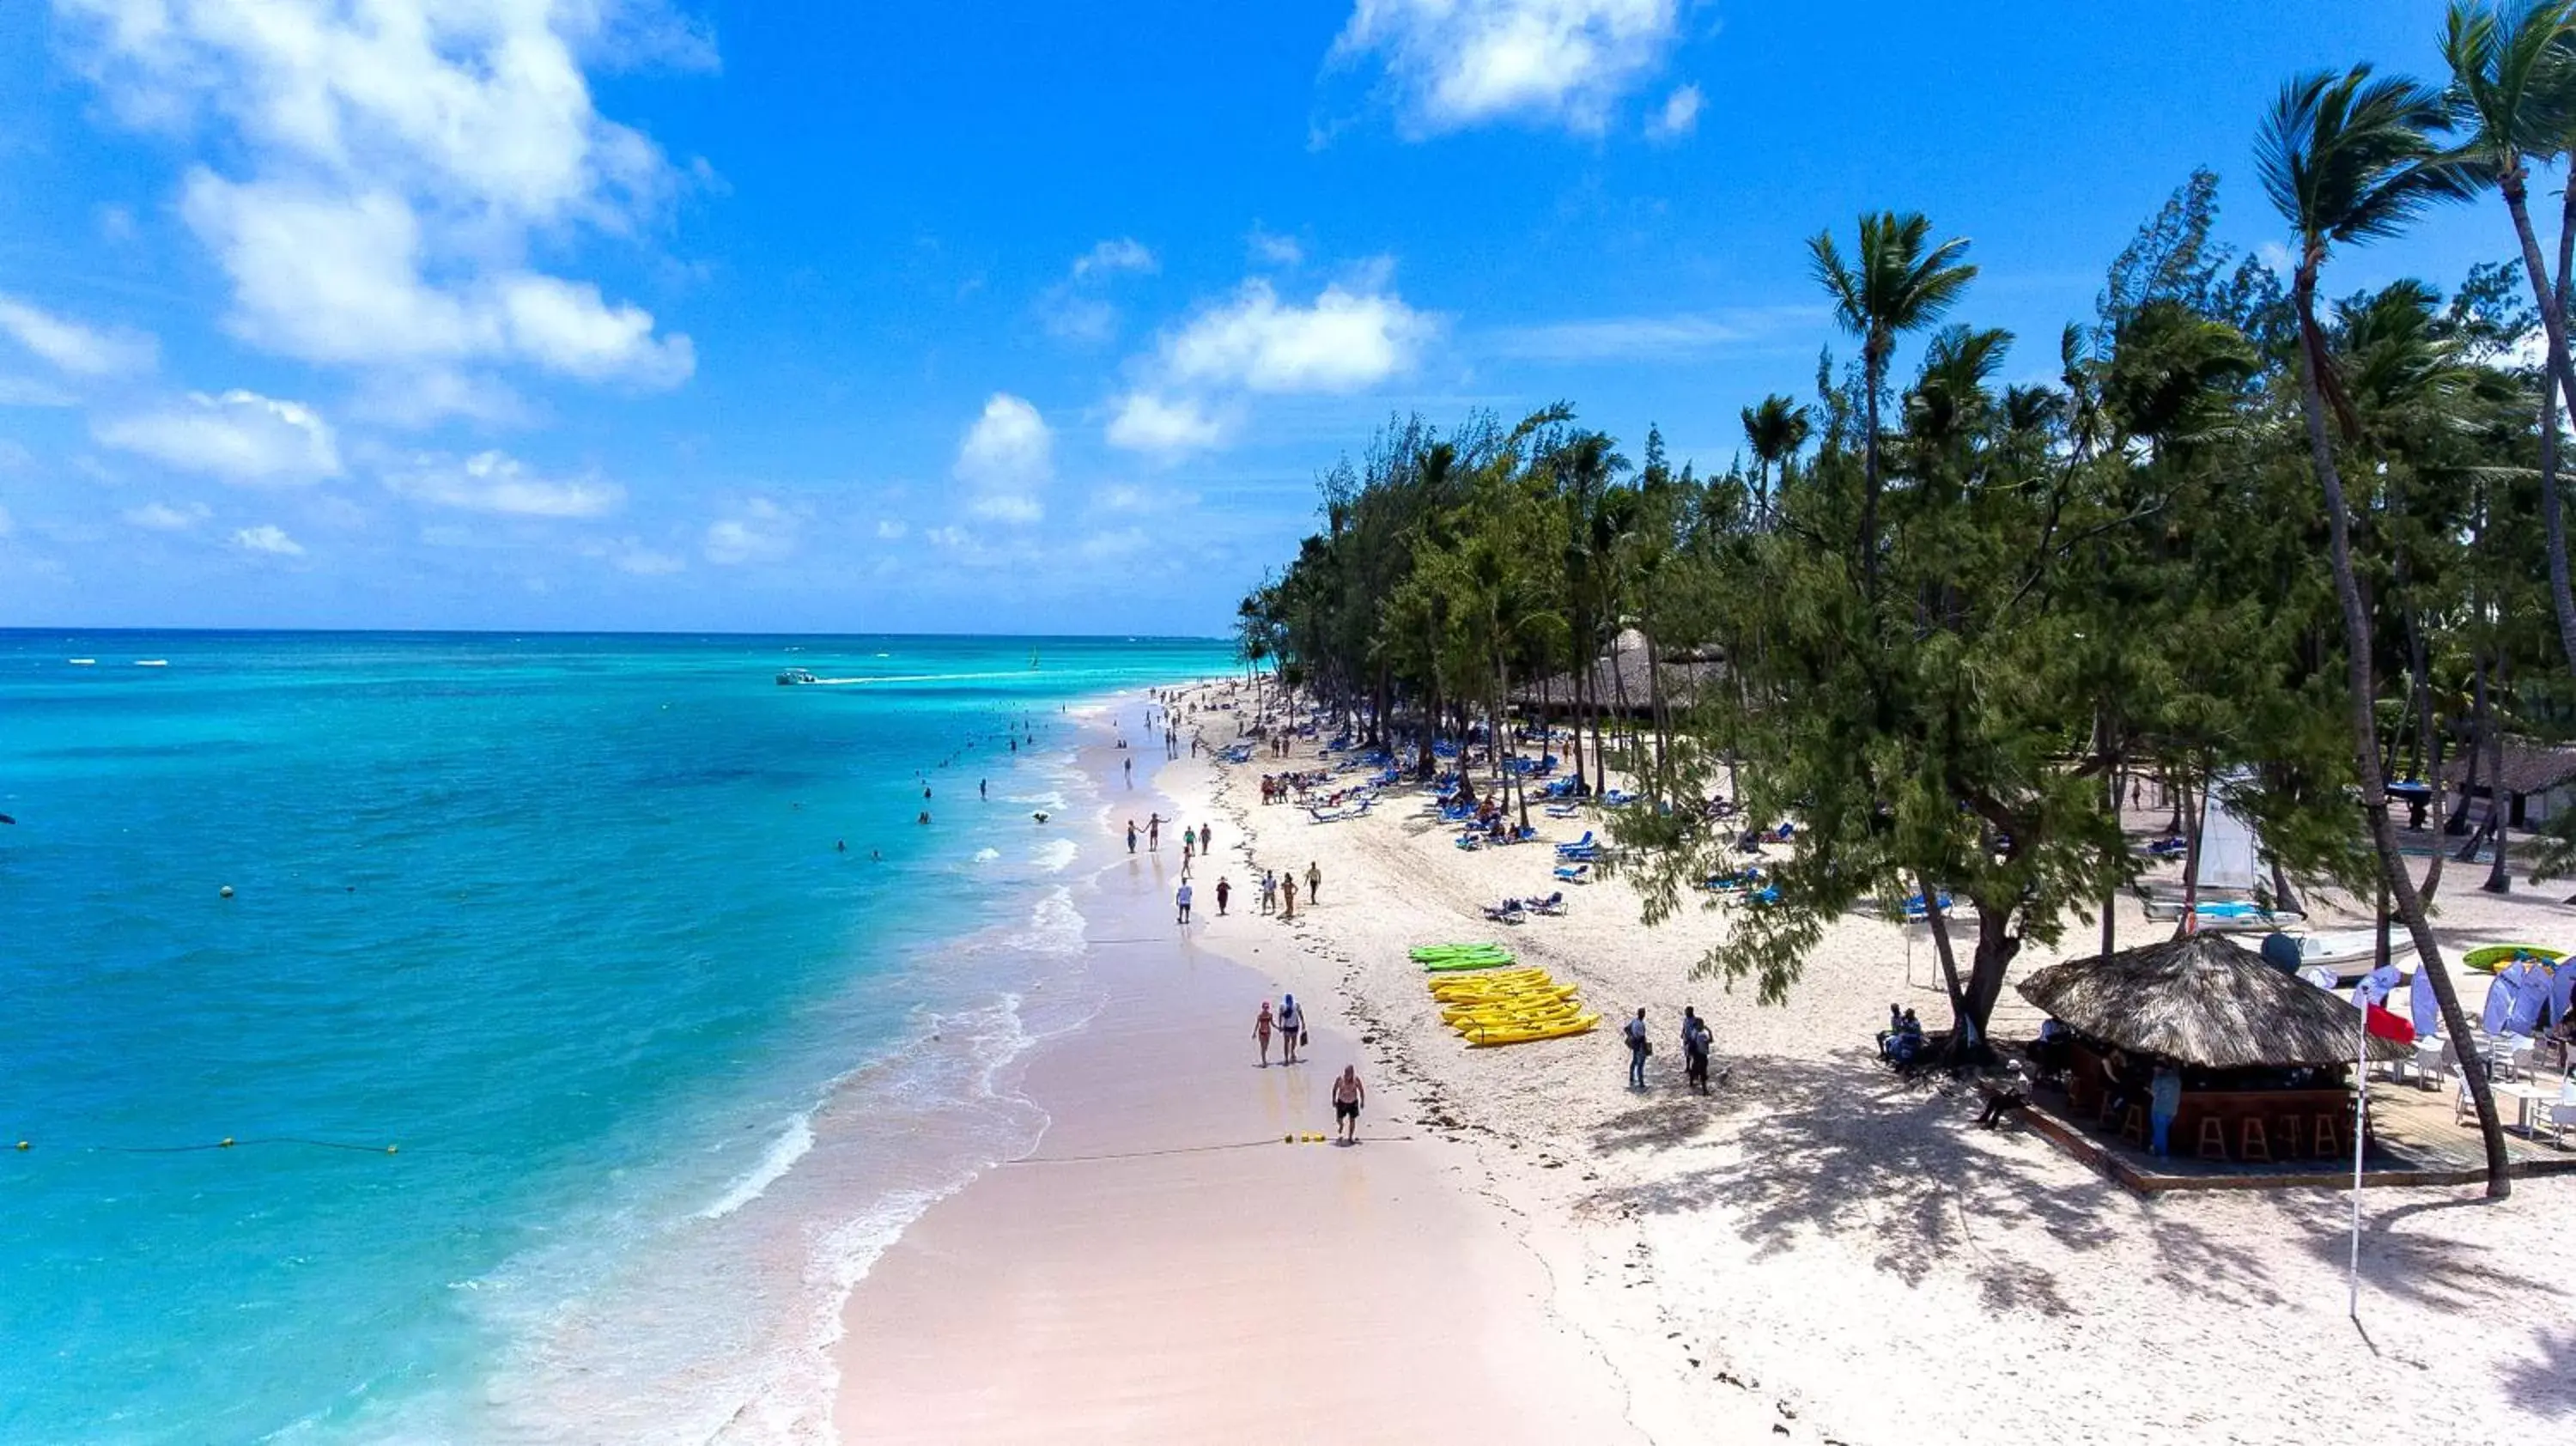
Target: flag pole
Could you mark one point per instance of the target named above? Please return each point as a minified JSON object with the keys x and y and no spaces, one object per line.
{"x":2360,"y":1124}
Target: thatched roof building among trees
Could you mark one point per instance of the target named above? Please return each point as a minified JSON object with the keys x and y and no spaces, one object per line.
{"x":1623,"y":680}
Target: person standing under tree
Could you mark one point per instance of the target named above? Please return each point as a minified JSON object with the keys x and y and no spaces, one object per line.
{"x":1638,"y":1048}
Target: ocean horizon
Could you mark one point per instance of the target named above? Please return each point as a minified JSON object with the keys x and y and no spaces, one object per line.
{"x":585,"y":1011}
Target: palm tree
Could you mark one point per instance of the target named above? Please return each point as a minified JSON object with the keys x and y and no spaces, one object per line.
{"x":1896,"y":283}
{"x":2346,"y":158}
{"x":1775,"y":430}
{"x":2513,"y":94}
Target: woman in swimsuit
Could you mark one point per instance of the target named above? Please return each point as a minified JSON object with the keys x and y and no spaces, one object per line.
{"x":1261,"y":1032}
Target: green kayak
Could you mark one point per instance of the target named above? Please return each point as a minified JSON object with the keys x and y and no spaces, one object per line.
{"x":2495,"y":956}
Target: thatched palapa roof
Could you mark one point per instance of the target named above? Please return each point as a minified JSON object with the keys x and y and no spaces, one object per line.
{"x":2528,"y":767}
{"x":2206,"y":1001}
{"x":1624,"y":673}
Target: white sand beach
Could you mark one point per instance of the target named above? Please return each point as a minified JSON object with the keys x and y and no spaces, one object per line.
{"x":1815,"y":1252}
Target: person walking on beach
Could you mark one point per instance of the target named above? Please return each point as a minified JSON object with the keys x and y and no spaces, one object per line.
{"x":1207,"y":838}
{"x":1348,"y":1095}
{"x":1292,"y":1028}
{"x":1314,"y":884}
{"x":1131,"y":835}
{"x":1224,"y":891}
{"x":1288,"y":891}
{"x":1130,"y":766}
{"x":1182,"y":898}
{"x":1638,"y":1048}
{"x":1269,"y":891}
{"x":1695,"y":1041}
{"x":1261,"y":1032}
{"x":1153,"y":833}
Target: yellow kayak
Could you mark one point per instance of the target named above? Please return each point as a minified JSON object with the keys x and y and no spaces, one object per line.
{"x":1532,"y":1019}
{"x":1555,"y":1030}
{"x":1566,"y":1004}
{"x":1444,"y":988}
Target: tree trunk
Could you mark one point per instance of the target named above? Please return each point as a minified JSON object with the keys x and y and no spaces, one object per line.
{"x":2500,"y":800}
{"x":1874,"y":365}
{"x":2365,"y":733}
{"x":1939,"y":919}
{"x":2552,"y":298}
{"x":2479,"y":753}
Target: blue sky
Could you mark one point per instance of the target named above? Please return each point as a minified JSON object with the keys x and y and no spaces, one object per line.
{"x":980,"y":317}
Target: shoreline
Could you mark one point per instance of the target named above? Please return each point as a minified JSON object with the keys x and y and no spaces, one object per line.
{"x":1162,"y":1267}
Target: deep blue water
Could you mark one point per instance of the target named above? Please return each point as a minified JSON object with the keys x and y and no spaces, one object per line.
{"x":561,"y":918}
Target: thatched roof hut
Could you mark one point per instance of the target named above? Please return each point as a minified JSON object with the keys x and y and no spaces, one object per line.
{"x":1624,"y":674}
{"x":2204,"y":1000}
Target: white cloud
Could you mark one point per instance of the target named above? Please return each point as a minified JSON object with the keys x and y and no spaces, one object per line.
{"x":430,"y":395}
{"x":1679,"y":116}
{"x":30,"y":392}
{"x":630,"y":555}
{"x":1344,"y":342}
{"x":1146,"y":422}
{"x":396,"y":163}
{"x":1652,"y":338}
{"x":163,"y":517}
{"x":889,"y":529}
{"x":1007,"y":456}
{"x":1116,"y":546}
{"x":759,"y":530}
{"x":1125,"y":253}
{"x":1068,"y":310}
{"x":72,"y":347}
{"x":499,"y":483}
{"x":1077,"y":318}
{"x":1460,"y":63}
{"x":1271,"y":249}
{"x":241,"y":437}
{"x":268,"y":537}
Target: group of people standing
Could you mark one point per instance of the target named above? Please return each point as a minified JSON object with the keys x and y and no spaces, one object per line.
{"x":1696,"y":1041}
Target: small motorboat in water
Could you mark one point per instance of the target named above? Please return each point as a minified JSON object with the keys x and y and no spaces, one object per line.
{"x":790,"y":677}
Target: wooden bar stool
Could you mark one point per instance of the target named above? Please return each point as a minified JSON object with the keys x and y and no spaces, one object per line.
{"x":2285,"y":1128}
{"x":2327,"y":1132}
{"x":2133,"y":1126}
{"x":2252,"y":1143}
{"x":2213,"y":1139}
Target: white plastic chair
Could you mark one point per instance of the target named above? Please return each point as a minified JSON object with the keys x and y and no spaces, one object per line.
{"x":2562,"y":1114}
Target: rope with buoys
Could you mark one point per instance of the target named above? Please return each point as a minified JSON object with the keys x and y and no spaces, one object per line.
{"x":1300,"y":1138}
{"x":228,"y":1142}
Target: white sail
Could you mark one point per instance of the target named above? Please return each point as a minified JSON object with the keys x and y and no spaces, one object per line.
{"x":2226,"y":847}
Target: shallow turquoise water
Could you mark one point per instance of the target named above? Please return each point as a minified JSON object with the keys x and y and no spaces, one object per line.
{"x":562,"y":918}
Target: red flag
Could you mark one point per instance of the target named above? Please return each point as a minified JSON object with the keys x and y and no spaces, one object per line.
{"x":2384,"y":1025}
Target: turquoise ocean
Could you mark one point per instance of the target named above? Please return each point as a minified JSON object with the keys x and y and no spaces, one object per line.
{"x":573,"y":1072}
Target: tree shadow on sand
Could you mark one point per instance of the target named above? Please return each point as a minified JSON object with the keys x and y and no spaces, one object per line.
{"x":2546,"y":1384}
{"x":1844,"y":1147}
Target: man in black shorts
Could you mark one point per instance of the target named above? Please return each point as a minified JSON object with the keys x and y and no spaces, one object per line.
{"x":1348,"y":1095}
